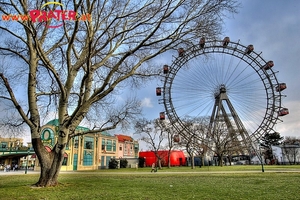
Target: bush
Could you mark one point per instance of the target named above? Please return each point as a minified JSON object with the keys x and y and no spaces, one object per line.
{"x":113,"y":164}
{"x":123,"y":163}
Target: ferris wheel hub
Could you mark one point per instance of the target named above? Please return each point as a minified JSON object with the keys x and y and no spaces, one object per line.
{"x":222,"y":61}
{"x":220,"y":90}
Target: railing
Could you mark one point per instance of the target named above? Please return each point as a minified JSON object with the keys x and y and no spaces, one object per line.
{"x":16,"y":149}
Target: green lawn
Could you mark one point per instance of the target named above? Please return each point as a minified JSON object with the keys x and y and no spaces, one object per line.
{"x":229,"y":182}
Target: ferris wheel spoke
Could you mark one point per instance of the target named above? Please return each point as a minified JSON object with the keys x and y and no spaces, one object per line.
{"x":231,"y":74}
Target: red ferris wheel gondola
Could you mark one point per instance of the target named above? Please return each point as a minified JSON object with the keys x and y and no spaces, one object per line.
{"x":162,"y":116}
{"x":226,"y":41}
{"x":202,"y":42}
{"x":249,"y":49}
{"x":176,"y":138}
{"x":280,"y":87}
{"x":283,"y":111}
{"x":166,"y":69}
{"x":268,"y":65}
{"x":158,"y":91}
{"x":181,"y":52}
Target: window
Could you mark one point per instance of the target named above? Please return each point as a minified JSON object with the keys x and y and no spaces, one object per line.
{"x":4,"y":145}
{"x":114,"y":146}
{"x":125,"y":150}
{"x":76,"y":142}
{"x":88,"y":142}
{"x":88,"y":153}
{"x":67,"y":146}
{"x":108,"y":145}
{"x":88,"y":145}
{"x":88,"y":158}
{"x":65,"y":161}
{"x":103,"y":145}
{"x":136,"y":148}
{"x":120,"y":148}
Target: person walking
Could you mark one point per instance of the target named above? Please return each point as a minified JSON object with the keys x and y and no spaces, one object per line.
{"x":153,"y":168}
{"x":15,"y":168}
{"x":8,"y":167}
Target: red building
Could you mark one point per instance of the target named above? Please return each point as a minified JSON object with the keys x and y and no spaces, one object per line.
{"x":177,"y":158}
{"x":128,"y":147}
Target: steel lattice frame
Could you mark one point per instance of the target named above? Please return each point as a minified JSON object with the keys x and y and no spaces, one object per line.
{"x":237,"y":50}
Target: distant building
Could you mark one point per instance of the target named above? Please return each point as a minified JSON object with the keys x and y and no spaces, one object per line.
{"x":14,"y":152}
{"x":128,"y":149}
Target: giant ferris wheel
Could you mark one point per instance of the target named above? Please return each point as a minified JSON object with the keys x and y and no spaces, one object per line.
{"x":226,"y":82}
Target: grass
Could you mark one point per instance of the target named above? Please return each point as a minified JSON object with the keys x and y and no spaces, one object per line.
{"x":229,"y":182}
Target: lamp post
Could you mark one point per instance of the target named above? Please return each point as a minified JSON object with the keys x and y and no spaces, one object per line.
{"x":28,"y":151}
{"x":261,"y":158}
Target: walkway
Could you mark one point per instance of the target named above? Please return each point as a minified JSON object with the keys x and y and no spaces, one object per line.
{"x":22,"y":172}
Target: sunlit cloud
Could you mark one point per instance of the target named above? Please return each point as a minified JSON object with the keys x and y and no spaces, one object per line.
{"x":146,"y":102}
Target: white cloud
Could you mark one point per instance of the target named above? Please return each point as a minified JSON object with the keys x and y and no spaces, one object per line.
{"x":146,"y":102}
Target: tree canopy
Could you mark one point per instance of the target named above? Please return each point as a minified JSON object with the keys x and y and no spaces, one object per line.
{"x":72,"y":60}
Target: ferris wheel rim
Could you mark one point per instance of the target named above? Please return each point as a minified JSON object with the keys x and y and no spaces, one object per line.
{"x":237,"y":50}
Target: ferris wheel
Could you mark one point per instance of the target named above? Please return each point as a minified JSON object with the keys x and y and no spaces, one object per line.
{"x":225,"y":82}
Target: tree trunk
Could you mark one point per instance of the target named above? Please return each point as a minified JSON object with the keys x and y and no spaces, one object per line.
{"x":230,"y":159}
{"x":50,"y":163}
{"x":220,"y":158}
{"x":48,"y":176}
{"x":169,"y":159}
{"x":193,"y":161}
{"x":159,"y":163}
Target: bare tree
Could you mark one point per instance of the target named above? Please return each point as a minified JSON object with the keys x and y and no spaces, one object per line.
{"x":204,"y":146}
{"x":291,"y":152}
{"x":195,"y":138}
{"x":154,"y":135}
{"x":72,"y":66}
{"x":189,"y":141}
{"x":198,"y":138}
{"x":291,"y":149}
{"x":171,"y":133}
{"x":290,"y":140}
{"x":202,"y":140}
{"x":224,"y":143}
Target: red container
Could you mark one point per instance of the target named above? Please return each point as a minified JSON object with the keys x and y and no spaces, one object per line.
{"x":177,"y":158}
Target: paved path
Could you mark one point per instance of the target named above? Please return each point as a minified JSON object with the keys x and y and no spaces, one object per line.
{"x":18,"y":172}
{"x":22,"y":172}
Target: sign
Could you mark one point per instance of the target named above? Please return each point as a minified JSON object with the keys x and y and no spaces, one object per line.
{"x":55,"y":17}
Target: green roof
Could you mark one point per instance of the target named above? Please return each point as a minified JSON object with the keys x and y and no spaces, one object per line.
{"x":105,"y":133}
{"x":55,"y":122}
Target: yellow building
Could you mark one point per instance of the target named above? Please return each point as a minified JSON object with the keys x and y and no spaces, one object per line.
{"x":87,"y":152}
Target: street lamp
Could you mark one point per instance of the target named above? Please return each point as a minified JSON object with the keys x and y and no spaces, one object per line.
{"x":28,"y":151}
{"x":261,"y":158}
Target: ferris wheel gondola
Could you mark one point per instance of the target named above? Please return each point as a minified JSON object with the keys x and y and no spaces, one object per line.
{"x":223,"y":80}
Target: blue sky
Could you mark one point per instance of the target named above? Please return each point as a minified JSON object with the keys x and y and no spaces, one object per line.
{"x":273,"y":27}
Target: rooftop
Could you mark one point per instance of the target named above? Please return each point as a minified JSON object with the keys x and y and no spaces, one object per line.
{"x":123,"y":138}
